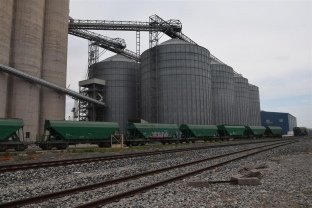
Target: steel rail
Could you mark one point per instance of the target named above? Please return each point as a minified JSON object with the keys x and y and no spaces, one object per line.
{"x":139,"y":190}
{"x":37,"y":165}
{"x":47,"y":84}
{"x":58,"y":194}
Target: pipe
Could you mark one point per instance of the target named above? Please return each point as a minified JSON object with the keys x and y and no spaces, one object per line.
{"x":47,"y":84}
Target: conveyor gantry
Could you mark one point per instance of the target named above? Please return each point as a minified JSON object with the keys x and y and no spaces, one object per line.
{"x":172,"y":28}
{"x":116,"y":45}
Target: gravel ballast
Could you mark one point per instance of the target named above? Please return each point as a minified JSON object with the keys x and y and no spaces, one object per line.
{"x":286,"y":181}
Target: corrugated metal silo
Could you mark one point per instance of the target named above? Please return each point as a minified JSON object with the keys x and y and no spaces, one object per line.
{"x":26,"y":55}
{"x":6,"y":12}
{"x":54,"y":61}
{"x":254,"y":106}
{"x":176,"y":83}
{"x":119,"y":74}
{"x":241,"y":100}
{"x":222,"y":94}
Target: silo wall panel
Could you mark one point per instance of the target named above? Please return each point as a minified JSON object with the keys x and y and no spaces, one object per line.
{"x":54,"y":61}
{"x":184,"y":84}
{"x":6,"y":14}
{"x":241,"y":92}
{"x":26,"y":55}
{"x":254,"y":106}
{"x":222,"y":94}
{"x":120,"y":90}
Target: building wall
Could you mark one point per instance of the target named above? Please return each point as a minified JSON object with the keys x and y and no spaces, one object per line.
{"x":284,"y":120}
{"x":292,"y":122}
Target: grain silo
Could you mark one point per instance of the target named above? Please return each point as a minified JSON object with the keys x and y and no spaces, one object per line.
{"x":6,"y":13}
{"x":176,"y":83}
{"x":54,"y":61}
{"x":119,"y":74}
{"x":222,"y":94}
{"x":241,"y":100}
{"x":26,"y":55}
{"x":254,"y":106}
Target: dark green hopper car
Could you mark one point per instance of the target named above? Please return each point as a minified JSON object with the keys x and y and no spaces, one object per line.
{"x":273,"y":131}
{"x":190,"y":132}
{"x":227,"y":132}
{"x":141,"y":133}
{"x":12,"y":134}
{"x":255,"y":131}
{"x":300,"y":131}
{"x":60,"y":134}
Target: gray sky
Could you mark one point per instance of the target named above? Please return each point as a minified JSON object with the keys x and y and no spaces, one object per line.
{"x":268,"y":42}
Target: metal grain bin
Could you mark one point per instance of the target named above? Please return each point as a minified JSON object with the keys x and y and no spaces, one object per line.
{"x":255,"y":131}
{"x":222,"y":77}
{"x":198,"y":131}
{"x":254,"y":106}
{"x":176,"y":83}
{"x":231,"y":131}
{"x":119,"y":74}
{"x":273,"y":131}
{"x":241,"y":100}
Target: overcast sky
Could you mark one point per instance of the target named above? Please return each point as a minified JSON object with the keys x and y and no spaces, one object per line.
{"x":268,"y":42}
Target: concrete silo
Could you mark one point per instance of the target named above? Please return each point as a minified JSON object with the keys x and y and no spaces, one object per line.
{"x":176,"y":83}
{"x":119,"y":74}
{"x":254,"y":106}
{"x":222,"y":94}
{"x":241,"y":100}
{"x":6,"y":13}
{"x":26,"y":55}
{"x":54,"y":60}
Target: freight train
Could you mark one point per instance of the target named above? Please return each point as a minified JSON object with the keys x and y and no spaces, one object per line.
{"x":300,"y":131}
{"x":61,"y":134}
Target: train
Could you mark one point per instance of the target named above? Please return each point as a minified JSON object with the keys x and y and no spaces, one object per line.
{"x":300,"y":131}
{"x":61,"y":134}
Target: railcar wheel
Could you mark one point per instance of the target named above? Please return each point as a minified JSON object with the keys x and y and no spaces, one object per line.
{"x":49,"y":147}
{"x":163,"y":142}
{"x":20,"y":147}
{"x":3,"y":148}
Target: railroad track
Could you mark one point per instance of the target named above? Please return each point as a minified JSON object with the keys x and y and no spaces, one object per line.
{"x":44,"y":197}
{"x":36,"y":165}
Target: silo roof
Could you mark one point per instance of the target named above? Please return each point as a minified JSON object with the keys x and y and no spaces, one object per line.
{"x":175,"y":41}
{"x":118,"y":57}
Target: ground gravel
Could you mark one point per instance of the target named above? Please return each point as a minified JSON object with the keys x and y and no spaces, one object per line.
{"x":286,"y":181}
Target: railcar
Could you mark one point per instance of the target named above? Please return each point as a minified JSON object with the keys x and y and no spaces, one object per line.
{"x":12,"y":135}
{"x":60,"y":134}
{"x":142,"y":133}
{"x":235,"y":132}
{"x":273,"y":131}
{"x":300,"y":131}
{"x":255,"y":131}
{"x":193,"y":133}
